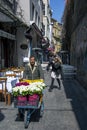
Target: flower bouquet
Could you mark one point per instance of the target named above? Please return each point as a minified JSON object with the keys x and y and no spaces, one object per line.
{"x":20,"y":91}
{"x":24,"y":88}
{"x":21,"y":88}
{"x":30,"y":92}
{"x":36,"y":88}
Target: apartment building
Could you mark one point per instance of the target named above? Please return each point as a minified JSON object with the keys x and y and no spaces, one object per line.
{"x":34,"y":32}
{"x":56,"y":35}
{"x":18,"y":17}
{"x":7,"y":32}
{"x":47,"y":14}
{"x":39,"y":30}
{"x":75,"y":36}
{"x":9,"y":26}
{"x":23,"y":25}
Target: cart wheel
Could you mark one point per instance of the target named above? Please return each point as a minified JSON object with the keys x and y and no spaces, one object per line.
{"x":42,"y":109}
{"x":26,"y":122}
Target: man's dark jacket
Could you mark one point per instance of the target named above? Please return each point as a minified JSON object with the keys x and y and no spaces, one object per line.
{"x":36,"y":73}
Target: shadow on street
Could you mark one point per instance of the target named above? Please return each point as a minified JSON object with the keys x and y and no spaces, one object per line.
{"x":1,"y":116}
{"x":73,"y":92}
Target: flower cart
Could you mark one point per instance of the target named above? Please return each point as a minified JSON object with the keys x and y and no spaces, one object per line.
{"x":28,"y":97}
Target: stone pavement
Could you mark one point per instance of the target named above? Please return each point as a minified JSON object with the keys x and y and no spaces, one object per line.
{"x":64,"y":109}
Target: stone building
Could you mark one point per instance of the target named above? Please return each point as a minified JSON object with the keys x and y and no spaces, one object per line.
{"x":17,"y":16}
{"x":47,"y":14}
{"x":75,"y":36}
{"x":10,"y":23}
{"x":56,"y":35}
{"x":32,"y":16}
{"x":22,"y":28}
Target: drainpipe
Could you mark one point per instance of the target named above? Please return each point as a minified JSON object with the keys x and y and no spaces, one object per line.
{"x":30,"y":47}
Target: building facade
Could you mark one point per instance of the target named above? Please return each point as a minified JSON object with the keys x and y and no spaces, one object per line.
{"x":22,"y":29}
{"x":34,"y":32}
{"x":74,"y":36}
{"x":9,"y":23}
{"x":47,"y":15}
{"x":32,"y":16}
{"x":56,"y":35}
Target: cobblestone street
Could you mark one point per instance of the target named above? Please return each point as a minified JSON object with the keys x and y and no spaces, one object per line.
{"x":64,"y":109}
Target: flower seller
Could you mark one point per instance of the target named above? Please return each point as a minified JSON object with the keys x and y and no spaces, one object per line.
{"x":33,"y":70}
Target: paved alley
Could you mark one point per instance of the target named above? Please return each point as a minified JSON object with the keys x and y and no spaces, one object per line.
{"x":64,"y":109}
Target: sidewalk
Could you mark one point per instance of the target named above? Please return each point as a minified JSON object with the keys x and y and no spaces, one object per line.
{"x":64,"y":109}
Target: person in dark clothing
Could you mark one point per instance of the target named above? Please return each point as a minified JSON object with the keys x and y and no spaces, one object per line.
{"x":33,"y":70}
{"x":55,"y":72}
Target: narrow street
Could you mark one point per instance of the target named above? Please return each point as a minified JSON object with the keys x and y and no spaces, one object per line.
{"x":51,"y":33}
{"x":64,"y":109}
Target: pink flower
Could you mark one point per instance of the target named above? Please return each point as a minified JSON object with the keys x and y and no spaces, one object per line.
{"x":22,"y":83}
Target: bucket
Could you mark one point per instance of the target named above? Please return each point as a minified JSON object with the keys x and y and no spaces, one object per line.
{"x":33,"y":99}
{"x":22,"y":100}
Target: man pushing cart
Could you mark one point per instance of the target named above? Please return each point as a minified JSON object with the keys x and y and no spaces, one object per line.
{"x":29,"y":92}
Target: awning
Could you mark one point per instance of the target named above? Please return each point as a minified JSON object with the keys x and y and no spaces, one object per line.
{"x":35,"y":27}
{"x":29,"y":34}
{"x":7,"y":35}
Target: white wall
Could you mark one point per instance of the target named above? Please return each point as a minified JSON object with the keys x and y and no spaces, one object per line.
{"x":25,"y":7}
{"x":47,"y":18}
{"x":21,"y":40}
{"x":37,"y":9}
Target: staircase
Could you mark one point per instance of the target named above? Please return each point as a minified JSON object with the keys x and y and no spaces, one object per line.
{"x":69,"y":72}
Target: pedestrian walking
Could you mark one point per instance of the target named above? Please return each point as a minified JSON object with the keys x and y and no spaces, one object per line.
{"x":55,"y":71}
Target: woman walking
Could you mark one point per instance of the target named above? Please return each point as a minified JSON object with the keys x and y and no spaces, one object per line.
{"x":55,"y":72}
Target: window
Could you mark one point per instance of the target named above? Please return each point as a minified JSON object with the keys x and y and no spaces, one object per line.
{"x":43,"y":7}
{"x":32,"y":12}
{"x":39,"y":21}
{"x":36,"y":16}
